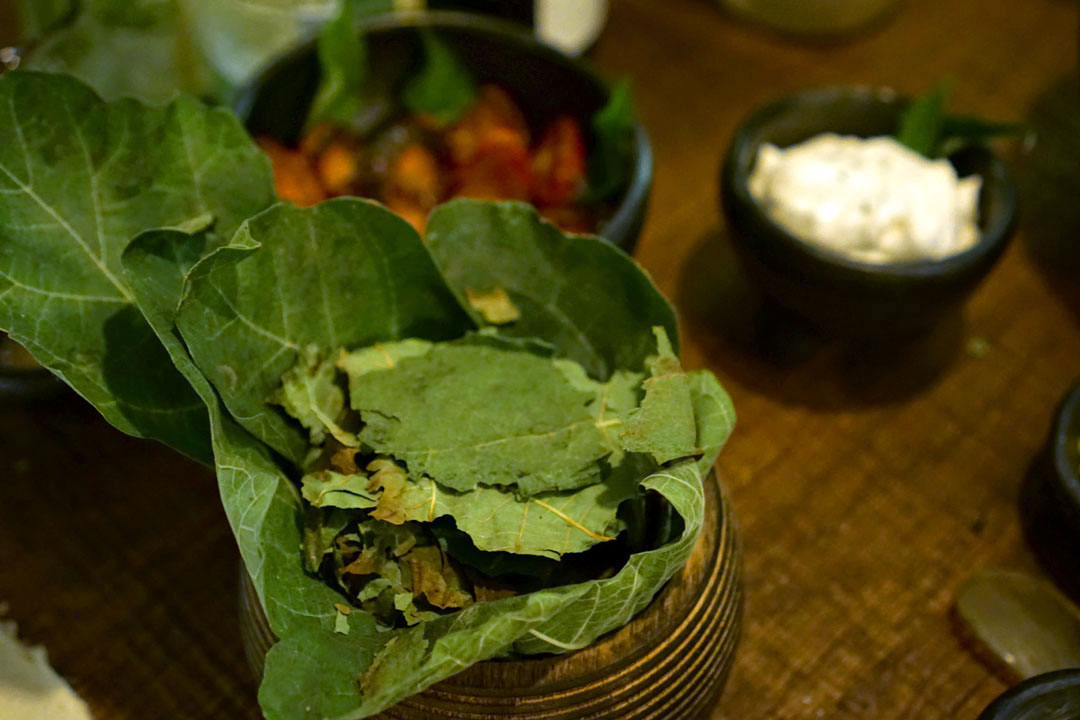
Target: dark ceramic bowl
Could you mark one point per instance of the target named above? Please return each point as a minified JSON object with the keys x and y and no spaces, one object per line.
{"x":1064,"y":439}
{"x":1050,"y":498}
{"x":542,"y":80}
{"x":1052,"y":696}
{"x":840,"y":295}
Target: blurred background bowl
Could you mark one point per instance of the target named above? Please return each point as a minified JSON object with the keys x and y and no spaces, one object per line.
{"x":1065,"y":448}
{"x":843,"y":296}
{"x":1050,"y":498}
{"x":544,"y":82}
{"x":1052,"y":696}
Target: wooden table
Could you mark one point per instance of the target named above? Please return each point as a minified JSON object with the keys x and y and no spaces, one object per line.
{"x":867,"y":488}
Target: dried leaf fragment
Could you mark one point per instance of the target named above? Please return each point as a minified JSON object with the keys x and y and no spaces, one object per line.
{"x":341,"y":621}
{"x":389,"y":481}
{"x":664,"y":426}
{"x":434,"y":577}
{"x":495,"y":305}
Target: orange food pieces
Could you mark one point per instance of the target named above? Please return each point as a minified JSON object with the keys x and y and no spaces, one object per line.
{"x":499,"y":169}
{"x":414,"y":184}
{"x":318,"y":138}
{"x":494,"y":110}
{"x":414,"y":164}
{"x":338,"y":167}
{"x":294,"y":178}
{"x":559,"y":163}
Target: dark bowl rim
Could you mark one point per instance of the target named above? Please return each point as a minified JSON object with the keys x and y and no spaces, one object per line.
{"x":736,"y":184}
{"x":1015,"y":700}
{"x":634,"y":197}
{"x":31,"y":384}
{"x":1064,"y":437}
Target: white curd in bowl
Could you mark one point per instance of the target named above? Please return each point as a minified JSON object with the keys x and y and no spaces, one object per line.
{"x":871,"y":199}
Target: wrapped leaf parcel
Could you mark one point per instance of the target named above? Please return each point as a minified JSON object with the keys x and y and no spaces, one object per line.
{"x":415,"y":483}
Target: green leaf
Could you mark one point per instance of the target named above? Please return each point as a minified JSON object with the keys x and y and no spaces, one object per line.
{"x":664,"y":426}
{"x":343,"y":90}
{"x":154,"y":48}
{"x":715,"y":416}
{"x":443,"y":88}
{"x":344,"y":273}
{"x":139,"y":48}
{"x":381,"y":356}
{"x":320,"y":530}
{"x":39,"y":17}
{"x":342,"y":55}
{"x":309,"y":392}
{"x":959,"y":131}
{"x":329,"y":489}
{"x":480,"y":436}
{"x":581,"y":294}
{"x":547,"y":525}
{"x":78,"y":179}
{"x":922,"y":122}
{"x":313,"y":664}
{"x":264,"y":511}
{"x":974,"y":128}
{"x":611,"y":158}
{"x":237,"y":38}
{"x":341,"y":623}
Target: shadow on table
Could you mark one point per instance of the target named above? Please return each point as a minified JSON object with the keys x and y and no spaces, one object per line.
{"x":769,"y":349}
{"x":1048,"y":175}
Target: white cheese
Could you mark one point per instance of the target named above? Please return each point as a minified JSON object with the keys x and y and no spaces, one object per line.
{"x":29,"y":688}
{"x":871,"y":199}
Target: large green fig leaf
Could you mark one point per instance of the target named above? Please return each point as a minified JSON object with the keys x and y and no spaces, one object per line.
{"x":79,"y":178}
{"x":480,"y":436}
{"x":664,"y":425}
{"x":345,"y":273}
{"x":581,"y":294}
{"x":263,"y":508}
{"x":150,"y":49}
{"x":136,"y":48}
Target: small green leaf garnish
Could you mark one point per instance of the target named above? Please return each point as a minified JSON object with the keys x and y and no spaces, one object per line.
{"x":342,"y":50}
{"x":927,"y":129}
{"x":922,"y":122}
{"x":444,"y":88}
{"x":610,"y":162}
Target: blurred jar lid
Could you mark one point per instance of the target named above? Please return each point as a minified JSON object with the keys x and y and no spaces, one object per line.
{"x":568,"y":25}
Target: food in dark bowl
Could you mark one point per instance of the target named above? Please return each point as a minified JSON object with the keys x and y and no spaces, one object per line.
{"x":840,"y":293}
{"x":453,"y":105}
{"x":413,"y":164}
